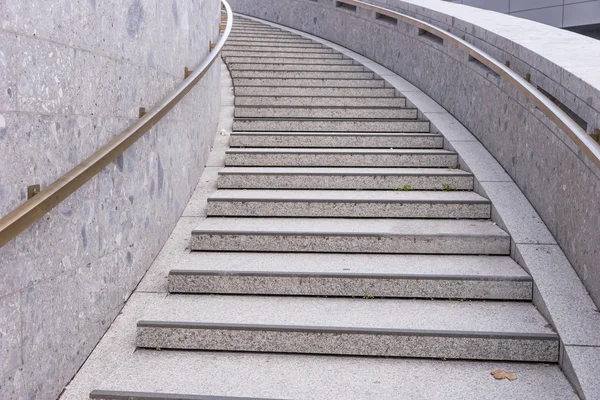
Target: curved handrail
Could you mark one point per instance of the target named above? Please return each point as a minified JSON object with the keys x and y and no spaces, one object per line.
{"x":578,"y":135}
{"x":33,"y":209}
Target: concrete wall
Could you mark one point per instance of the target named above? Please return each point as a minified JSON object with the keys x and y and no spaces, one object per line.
{"x":73,"y":75}
{"x":559,"y":13}
{"x":562,"y":184}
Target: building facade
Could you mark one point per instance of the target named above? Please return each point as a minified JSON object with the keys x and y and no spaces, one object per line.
{"x":582,"y":16}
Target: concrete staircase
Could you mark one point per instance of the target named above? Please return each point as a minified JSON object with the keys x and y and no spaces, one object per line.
{"x":341,"y":227}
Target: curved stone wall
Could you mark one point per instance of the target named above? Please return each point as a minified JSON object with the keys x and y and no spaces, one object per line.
{"x":72,"y":76}
{"x":558,"y":179}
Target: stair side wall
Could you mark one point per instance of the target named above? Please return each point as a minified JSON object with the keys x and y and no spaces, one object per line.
{"x":72,"y":76}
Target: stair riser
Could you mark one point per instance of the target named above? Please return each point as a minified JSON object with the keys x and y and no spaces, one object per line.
{"x":301,"y":75}
{"x":258,"y":31}
{"x":249,"y":125}
{"x":283,"y":54}
{"x":340,"y":160}
{"x":293,"y":67}
{"x":327,"y":209}
{"x":351,"y":243}
{"x":266,"y":82}
{"x":288,"y":60}
{"x":351,"y":287}
{"x":312,"y":92}
{"x":340,"y":343}
{"x":272,"y":41}
{"x":336,"y":113}
{"x":274,"y":44}
{"x":272,"y":49}
{"x":347,"y":182}
{"x":414,"y":142}
{"x":320,"y":101}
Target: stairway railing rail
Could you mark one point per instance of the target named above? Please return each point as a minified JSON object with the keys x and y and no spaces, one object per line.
{"x":585,"y":141}
{"x":36,"y":207}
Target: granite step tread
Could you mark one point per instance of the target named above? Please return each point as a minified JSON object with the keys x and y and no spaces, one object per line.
{"x":283,"y":54}
{"x":347,"y":67}
{"x":314,"y":91}
{"x":274,"y":44}
{"x":272,"y":49}
{"x":330,"y":125}
{"x":273,"y":41}
{"x":286,"y":376}
{"x":301,"y":75}
{"x":487,"y":330}
{"x":336,"y":140}
{"x":262,"y":59}
{"x":344,"y":204}
{"x":309,"y":82}
{"x":314,"y":101}
{"x":339,"y":235}
{"x":356,"y":275}
{"x":326,"y":112}
{"x":316,"y":157}
{"x":343,"y":178}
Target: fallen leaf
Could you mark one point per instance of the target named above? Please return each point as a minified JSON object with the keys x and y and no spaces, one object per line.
{"x":501,"y":374}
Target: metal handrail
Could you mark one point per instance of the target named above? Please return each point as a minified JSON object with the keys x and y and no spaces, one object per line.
{"x":33,"y":209}
{"x":578,"y":135}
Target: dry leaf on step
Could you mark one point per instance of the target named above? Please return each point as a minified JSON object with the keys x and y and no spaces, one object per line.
{"x":501,"y":374}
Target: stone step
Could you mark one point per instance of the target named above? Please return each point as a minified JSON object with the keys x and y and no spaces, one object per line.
{"x":330,"y":125}
{"x":288,"y":60}
{"x":491,"y":330}
{"x":337,"y":140}
{"x":325,"y":235}
{"x":352,"y":275}
{"x":309,"y":83}
{"x":258,"y":31}
{"x":274,"y":44}
{"x":273,"y":41}
{"x":344,"y":178}
{"x":192,"y":375}
{"x":301,"y":75}
{"x":306,"y":101}
{"x":293,"y":67}
{"x":283,"y":54}
{"x":348,"y":204}
{"x":279,"y":49}
{"x":286,"y":157}
{"x":262,"y":35}
{"x":326,"y":112}
{"x":313,"y":91}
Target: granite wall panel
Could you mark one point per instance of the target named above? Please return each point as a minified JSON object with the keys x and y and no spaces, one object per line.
{"x":73,"y":75}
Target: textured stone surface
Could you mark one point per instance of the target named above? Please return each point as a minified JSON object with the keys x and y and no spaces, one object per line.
{"x":346,"y":67}
{"x":331,"y":125}
{"x":340,"y":158}
{"x":315,"y":91}
{"x":351,"y":236}
{"x":333,"y":378}
{"x":351,"y":327}
{"x":336,"y":140}
{"x":278,"y":101}
{"x":332,"y":178}
{"x":313,"y":112}
{"x":301,"y":74}
{"x":342,"y":285}
{"x":350,"y":275}
{"x":73,"y":77}
{"x":358,"y":204}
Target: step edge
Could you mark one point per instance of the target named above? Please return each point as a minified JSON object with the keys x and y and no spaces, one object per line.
{"x":347,"y":330}
{"x":298,"y":274}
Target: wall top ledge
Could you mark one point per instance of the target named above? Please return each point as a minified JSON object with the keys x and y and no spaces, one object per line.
{"x":530,"y":41}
